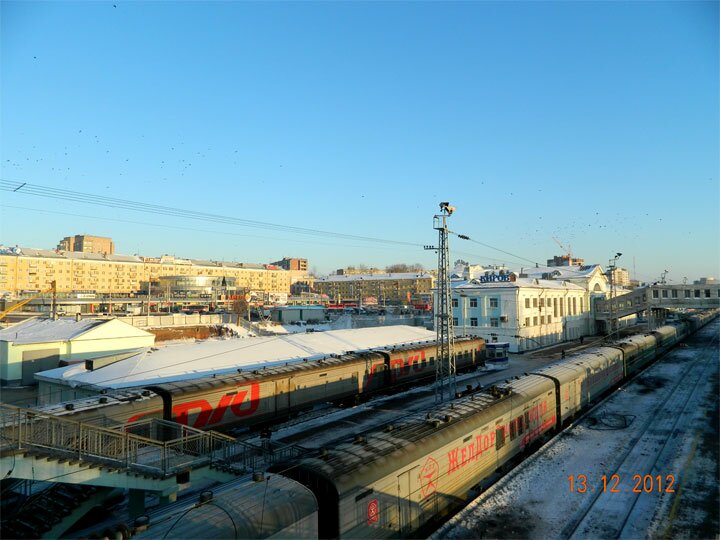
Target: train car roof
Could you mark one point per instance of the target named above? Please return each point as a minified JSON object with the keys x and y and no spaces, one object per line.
{"x":263,"y":374}
{"x":97,"y":403}
{"x":216,"y":357}
{"x":379,"y":452}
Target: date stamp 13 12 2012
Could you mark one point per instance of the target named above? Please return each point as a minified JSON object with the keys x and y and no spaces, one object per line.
{"x":647,"y":483}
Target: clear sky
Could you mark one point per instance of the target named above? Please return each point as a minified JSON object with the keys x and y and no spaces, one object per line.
{"x":594,"y":123}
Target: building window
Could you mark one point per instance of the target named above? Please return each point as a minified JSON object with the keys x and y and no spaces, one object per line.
{"x":527,"y":321}
{"x":549,"y":319}
{"x":527,"y":302}
{"x":494,"y":302}
{"x":454,"y":302}
{"x":687,"y":293}
{"x":555,"y":307}
{"x":534,"y":321}
{"x":582,"y":305}
{"x":455,"y":321}
{"x":495,"y":322}
{"x":697,"y":293}
{"x":473,"y":302}
{"x":473,"y":321}
{"x":542,"y":319}
{"x":542,"y":302}
{"x":664,"y":293}
{"x":534,"y":302}
{"x":674,"y":293}
{"x":574,"y":306}
{"x":656,"y":293}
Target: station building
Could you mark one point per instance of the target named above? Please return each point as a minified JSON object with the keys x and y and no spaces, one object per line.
{"x":530,"y":308}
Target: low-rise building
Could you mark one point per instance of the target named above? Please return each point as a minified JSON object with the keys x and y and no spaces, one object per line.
{"x":396,"y":288}
{"x":526,"y":312}
{"x":40,"y":344}
{"x":528,"y":308}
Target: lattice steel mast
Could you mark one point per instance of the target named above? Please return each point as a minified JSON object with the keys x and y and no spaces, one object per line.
{"x":445,"y":382}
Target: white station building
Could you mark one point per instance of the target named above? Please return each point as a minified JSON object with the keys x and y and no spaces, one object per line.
{"x":528,"y":309}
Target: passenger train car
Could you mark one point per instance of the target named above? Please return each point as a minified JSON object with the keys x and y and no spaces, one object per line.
{"x":389,"y":482}
{"x":261,"y":396}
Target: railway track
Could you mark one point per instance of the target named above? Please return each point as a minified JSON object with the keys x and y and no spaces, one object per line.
{"x":320,"y":428}
{"x":618,"y":506}
{"x":534,"y":499}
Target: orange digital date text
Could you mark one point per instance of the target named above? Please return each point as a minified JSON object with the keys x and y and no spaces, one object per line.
{"x":647,"y":483}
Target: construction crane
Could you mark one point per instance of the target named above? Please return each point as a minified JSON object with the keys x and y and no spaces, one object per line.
{"x":20,"y":304}
{"x":567,"y":250}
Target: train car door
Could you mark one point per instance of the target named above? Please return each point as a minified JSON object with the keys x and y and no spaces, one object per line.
{"x":282,"y":395}
{"x":407,"y":508}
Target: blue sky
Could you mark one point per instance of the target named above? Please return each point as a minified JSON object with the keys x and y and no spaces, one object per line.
{"x":594,"y":123}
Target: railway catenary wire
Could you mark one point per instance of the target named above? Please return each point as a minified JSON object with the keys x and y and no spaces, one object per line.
{"x":677,"y":397}
{"x":27,"y":188}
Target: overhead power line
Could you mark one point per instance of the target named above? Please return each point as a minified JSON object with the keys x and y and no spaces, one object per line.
{"x":465,"y":237}
{"x":27,"y":188}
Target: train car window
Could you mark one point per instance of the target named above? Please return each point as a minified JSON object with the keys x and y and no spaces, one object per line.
{"x":323,"y":375}
{"x":466,"y":439}
{"x":513,"y":431}
{"x":499,"y":437}
{"x":231,"y":393}
{"x":520,"y":425}
{"x":527,"y":419}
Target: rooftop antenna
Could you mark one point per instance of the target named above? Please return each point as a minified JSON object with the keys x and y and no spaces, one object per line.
{"x":445,"y":336}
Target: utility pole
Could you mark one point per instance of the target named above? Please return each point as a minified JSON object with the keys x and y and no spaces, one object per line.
{"x":445,"y":336}
{"x":611,"y":270}
{"x":53,"y":308}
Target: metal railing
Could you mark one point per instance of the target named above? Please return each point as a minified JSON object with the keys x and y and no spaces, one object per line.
{"x":155,"y":447}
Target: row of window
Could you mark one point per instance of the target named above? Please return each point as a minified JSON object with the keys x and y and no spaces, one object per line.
{"x":542,"y":319}
{"x":494,"y":302}
{"x":558,"y":305}
{"x":494,"y":321}
{"x":697,"y":293}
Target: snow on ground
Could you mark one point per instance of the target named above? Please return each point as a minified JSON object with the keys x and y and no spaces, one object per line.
{"x":535,"y":501}
{"x":344,"y":322}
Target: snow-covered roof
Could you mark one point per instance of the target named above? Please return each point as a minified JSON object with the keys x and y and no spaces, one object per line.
{"x":45,"y":330}
{"x":562,"y":272}
{"x":517,"y":284}
{"x":80,"y":255}
{"x":194,"y":360}
{"x":375,"y":277}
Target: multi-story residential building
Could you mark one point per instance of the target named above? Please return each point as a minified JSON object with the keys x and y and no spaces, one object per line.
{"x":396,"y":288}
{"x":24,"y":269}
{"x":87,"y":244}
{"x":565,"y":260}
{"x":620,"y":277}
{"x":289,"y":263}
